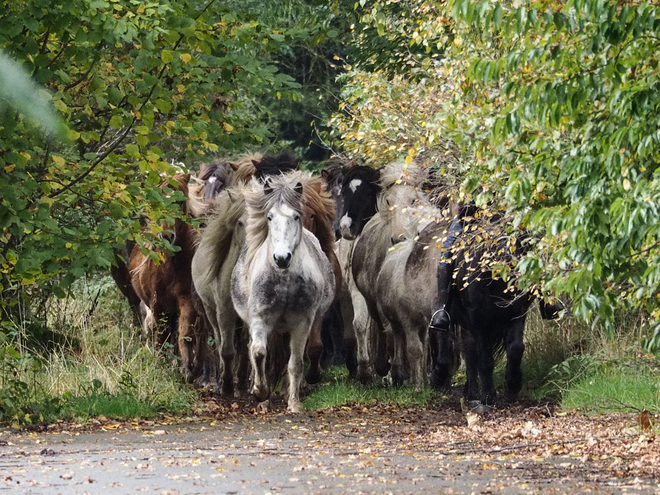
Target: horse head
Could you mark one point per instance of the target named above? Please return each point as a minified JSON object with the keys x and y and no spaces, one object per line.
{"x":283,"y":209}
{"x":333,"y":175}
{"x":214,"y":179}
{"x":359,"y":189}
{"x":403,"y":208}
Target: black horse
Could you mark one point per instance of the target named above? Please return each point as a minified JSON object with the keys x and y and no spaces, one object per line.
{"x":487,"y":313}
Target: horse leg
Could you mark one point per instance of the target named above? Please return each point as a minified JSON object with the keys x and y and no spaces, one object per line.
{"x":362,"y":324}
{"x":298,"y":337}
{"x":225,"y":338}
{"x":515,"y":348}
{"x":186,"y":332}
{"x":398,"y":371}
{"x":415,"y":348}
{"x":243,"y":360}
{"x":203,"y":353}
{"x":471,"y":354}
{"x":486,"y":367}
{"x":349,"y":344}
{"x":258,"y":352}
{"x":315,"y":352}
{"x":381,"y":359}
{"x":443,"y":359}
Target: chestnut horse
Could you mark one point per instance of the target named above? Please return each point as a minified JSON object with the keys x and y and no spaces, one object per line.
{"x":165,"y":286}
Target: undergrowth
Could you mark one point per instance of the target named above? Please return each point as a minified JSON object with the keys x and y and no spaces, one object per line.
{"x":587,"y":369}
{"x":98,"y":365}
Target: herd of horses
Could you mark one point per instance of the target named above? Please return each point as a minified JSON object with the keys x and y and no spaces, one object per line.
{"x":284,"y":268}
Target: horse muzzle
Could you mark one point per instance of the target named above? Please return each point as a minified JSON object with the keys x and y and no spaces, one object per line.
{"x":348,"y":228}
{"x":282,"y":261}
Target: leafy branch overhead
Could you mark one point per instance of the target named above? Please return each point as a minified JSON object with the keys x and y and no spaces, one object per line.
{"x":138,"y":86}
{"x":554,"y":109}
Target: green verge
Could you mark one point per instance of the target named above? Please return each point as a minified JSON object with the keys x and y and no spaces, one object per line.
{"x":338,"y":390}
{"x":615,"y":390}
{"x":98,"y":365}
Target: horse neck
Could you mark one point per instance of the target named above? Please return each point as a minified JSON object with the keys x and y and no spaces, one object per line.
{"x":224,"y":229}
{"x":186,"y":236}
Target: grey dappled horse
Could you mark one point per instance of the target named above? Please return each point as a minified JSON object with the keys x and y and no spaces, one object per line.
{"x":282,"y":281}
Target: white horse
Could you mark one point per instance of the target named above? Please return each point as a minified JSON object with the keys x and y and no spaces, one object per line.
{"x":282,"y":281}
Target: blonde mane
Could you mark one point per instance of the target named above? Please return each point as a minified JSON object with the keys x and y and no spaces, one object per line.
{"x":258,"y":203}
{"x":230,"y":206}
{"x":244,"y":168}
{"x":413,"y":174}
{"x":318,"y":208}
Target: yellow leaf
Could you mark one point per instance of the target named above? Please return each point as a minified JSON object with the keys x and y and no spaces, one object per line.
{"x":185,"y":57}
{"x":58,"y":160}
{"x":9,"y":168}
{"x":227,"y":127}
{"x":626,"y":184}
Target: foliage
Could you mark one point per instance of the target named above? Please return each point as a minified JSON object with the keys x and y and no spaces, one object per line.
{"x":553,"y":107}
{"x":99,"y":366}
{"x":138,"y":86}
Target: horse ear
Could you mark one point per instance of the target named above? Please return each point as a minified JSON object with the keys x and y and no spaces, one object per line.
{"x":267,"y":188}
{"x":325,"y":174}
{"x":233,"y":166}
{"x":298,"y":188}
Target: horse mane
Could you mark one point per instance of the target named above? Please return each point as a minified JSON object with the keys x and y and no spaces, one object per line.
{"x":258,"y":203}
{"x":335,"y":168}
{"x":394,"y":177}
{"x":317,"y":199}
{"x":204,"y":188}
{"x":261,"y":166}
{"x":412,"y":174}
{"x":244,"y":168}
{"x":230,"y":206}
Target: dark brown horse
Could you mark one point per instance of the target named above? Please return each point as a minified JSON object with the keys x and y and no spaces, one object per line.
{"x":165,"y":286}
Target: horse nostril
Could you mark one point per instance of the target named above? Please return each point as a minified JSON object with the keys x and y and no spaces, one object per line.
{"x":282,"y":261}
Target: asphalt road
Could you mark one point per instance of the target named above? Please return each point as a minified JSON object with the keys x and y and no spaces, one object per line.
{"x":308,"y":453}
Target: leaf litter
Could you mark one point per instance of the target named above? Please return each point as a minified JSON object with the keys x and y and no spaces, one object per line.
{"x":532,"y":442}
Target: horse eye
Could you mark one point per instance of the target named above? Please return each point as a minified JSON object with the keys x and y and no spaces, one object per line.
{"x":270,"y":217}
{"x":296,"y":217}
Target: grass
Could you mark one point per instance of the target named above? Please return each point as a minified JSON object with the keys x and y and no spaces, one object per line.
{"x":101,"y":367}
{"x":339,"y":390}
{"x":116,"y":406}
{"x":584,"y":368}
{"x":631,"y":387}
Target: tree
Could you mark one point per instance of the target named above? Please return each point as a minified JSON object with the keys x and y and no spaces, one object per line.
{"x":554,"y":107}
{"x":138,"y":85}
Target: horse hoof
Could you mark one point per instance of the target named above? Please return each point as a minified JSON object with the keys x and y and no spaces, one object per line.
{"x":261,"y":393}
{"x":227,"y":390}
{"x":295,"y":408}
{"x":313,"y":377}
{"x":364,"y":378}
{"x":264,"y":406}
{"x":479,"y":407}
{"x":241,"y":394}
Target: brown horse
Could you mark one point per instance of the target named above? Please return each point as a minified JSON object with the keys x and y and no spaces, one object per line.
{"x":165,"y":286}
